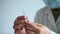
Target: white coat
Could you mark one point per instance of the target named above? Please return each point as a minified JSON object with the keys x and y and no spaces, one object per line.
{"x":44,"y":16}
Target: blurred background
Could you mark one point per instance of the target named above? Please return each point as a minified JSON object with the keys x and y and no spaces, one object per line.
{"x":10,"y":9}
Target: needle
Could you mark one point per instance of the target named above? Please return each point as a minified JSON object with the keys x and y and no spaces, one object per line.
{"x":23,"y":12}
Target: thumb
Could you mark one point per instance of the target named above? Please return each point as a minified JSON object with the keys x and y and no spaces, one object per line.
{"x":32,"y":26}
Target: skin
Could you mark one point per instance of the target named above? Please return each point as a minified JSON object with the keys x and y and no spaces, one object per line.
{"x":23,"y":26}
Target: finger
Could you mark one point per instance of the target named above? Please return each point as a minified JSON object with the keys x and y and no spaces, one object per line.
{"x":17,"y":22}
{"x":27,"y":28}
{"x":20,"y":31}
{"x":22,"y":17}
{"x":40,"y":25}
{"x":29,"y":32}
{"x":32,"y":26}
{"x":20,"y":20}
{"x":17,"y":27}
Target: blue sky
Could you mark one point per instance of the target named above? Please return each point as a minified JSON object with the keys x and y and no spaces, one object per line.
{"x":10,"y":9}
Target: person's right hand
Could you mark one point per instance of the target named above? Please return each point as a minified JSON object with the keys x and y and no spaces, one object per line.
{"x":35,"y":28}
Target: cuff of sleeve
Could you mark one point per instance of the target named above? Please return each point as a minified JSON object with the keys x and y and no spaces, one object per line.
{"x":53,"y":32}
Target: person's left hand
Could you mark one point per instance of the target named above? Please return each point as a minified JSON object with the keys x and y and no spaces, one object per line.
{"x":19,"y":25}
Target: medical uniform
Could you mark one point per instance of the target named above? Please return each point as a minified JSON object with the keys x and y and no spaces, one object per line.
{"x":45,"y":16}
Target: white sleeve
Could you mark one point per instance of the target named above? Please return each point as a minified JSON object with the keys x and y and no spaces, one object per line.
{"x":53,"y":32}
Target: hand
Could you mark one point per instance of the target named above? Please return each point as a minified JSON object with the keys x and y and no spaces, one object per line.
{"x":19,"y":25}
{"x":22,"y":26}
{"x":35,"y":28}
